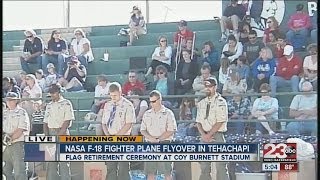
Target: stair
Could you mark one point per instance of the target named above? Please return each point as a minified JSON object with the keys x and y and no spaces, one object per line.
{"x":11,"y":54}
{"x":14,"y":73}
{"x":11,"y":67}
{"x":65,"y":30}
{"x":10,"y":60}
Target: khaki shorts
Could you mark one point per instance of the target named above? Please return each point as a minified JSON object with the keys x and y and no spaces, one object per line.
{"x":157,"y":167}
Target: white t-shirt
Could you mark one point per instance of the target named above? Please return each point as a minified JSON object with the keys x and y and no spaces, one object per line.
{"x":36,"y":89}
{"x":100,"y":91}
{"x":239,"y":50}
{"x":167,"y":53}
{"x":51,"y":79}
{"x":307,"y":63}
{"x":223,"y":77}
{"x":78,"y":48}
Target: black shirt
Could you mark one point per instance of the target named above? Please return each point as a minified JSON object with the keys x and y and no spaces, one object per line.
{"x":238,"y":10}
{"x":57,"y":46}
{"x":74,"y":73}
{"x":36,"y":46}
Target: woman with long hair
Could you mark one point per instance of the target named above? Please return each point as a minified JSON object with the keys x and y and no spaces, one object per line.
{"x":55,"y":53}
{"x":232,"y":50}
{"x":137,"y":25}
{"x":187,"y":109}
{"x":273,"y":25}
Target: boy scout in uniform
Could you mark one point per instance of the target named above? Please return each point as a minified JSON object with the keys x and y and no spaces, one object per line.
{"x":16,"y":125}
{"x":117,"y":119}
{"x":158,"y":125}
{"x":212,"y":117}
{"x":57,"y":119}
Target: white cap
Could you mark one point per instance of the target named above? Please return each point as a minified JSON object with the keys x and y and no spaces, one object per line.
{"x":288,"y":49}
{"x":50,"y":65}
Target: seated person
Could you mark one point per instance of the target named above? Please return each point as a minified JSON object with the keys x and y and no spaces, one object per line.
{"x":55,"y":53}
{"x":137,"y":25}
{"x":303,"y":107}
{"x":161,"y":56}
{"x":101,"y":90}
{"x":299,"y":24}
{"x":187,"y":109}
{"x":182,"y":35}
{"x":75,"y":75}
{"x":32,"y":90}
{"x":189,"y":46}
{"x":140,"y":107}
{"x":40,"y":79}
{"x":243,"y":68}
{"x":287,"y":72}
{"x":252,"y":48}
{"x":51,"y":78}
{"x":163,"y":83}
{"x":32,"y":51}
{"x":244,"y":29}
{"x":211,"y":56}
{"x":199,"y":82}
{"x":232,"y":50}
{"x":80,"y":47}
{"x":310,"y":66}
{"x":239,"y":108}
{"x":224,"y":73}
{"x":21,"y":81}
{"x":273,"y":25}
{"x":186,"y":72}
{"x":281,"y":43}
{"x":263,"y":68}
{"x":230,"y":19}
{"x":265,"y":108}
{"x":9,"y":84}
{"x":272,"y":43}
{"x":234,"y":84}
{"x":132,"y":83}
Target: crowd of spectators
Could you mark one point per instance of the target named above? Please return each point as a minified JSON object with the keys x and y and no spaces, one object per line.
{"x":246,"y":63}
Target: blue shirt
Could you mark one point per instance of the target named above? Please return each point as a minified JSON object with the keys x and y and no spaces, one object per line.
{"x":57,"y":46}
{"x":162,"y":86}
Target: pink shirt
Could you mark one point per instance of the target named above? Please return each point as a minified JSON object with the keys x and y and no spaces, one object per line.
{"x":299,"y":20}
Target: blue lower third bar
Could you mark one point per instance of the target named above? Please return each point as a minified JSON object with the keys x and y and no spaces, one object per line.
{"x":39,"y":152}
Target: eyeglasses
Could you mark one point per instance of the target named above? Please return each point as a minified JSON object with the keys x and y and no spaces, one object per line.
{"x":269,"y":22}
{"x":154,"y":100}
{"x":160,"y":72}
{"x":163,"y":41}
{"x":29,"y":36}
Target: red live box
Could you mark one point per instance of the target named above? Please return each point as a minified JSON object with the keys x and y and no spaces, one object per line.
{"x":289,"y":167}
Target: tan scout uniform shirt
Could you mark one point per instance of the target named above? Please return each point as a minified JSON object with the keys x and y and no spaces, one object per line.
{"x":198,"y":84}
{"x":218,"y":113}
{"x":14,"y":119}
{"x":156,"y":123}
{"x":124,"y":114}
{"x":58,"y":112}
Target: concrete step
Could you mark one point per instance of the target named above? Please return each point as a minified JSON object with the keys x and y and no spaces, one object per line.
{"x":66,"y":30}
{"x":11,"y":54}
{"x":11,"y":67}
{"x":18,"y":48}
{"x":11,"y":73}
{"x":12,"y":60}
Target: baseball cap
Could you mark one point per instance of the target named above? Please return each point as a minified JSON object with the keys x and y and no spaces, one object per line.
{"x":288,"y":49}
{"x":182,"y":23}
{"x":12,"y":96}
{"x":211,"y":81}
{"x":55,"y":88}
{"x":50,"y":65}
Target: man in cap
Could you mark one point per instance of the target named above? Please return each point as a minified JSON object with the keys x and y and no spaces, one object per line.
{"x":32,"y":51}
{"x":212,"y":117}
{"x":158,"y":125}
{"x":117,"y":119}
{"x":57,"y":121}
{"x":184,"y":33}
{"x":16,"y":125}
{"x":287,"y":72}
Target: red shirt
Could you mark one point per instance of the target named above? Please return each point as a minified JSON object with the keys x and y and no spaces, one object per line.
{"x":287,"y":69}
{"x":186,"y":35}
{"x":127,"y":87}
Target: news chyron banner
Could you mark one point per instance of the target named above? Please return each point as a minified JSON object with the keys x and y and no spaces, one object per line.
{"x":131,"y":148}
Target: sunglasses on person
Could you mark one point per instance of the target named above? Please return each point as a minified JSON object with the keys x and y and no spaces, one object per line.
{"x":154,"y":101}
{"x":29,"y":36}
{"x":163,"y":41}
{"x":269,"y":22}
{"x":132,"y":76}
{"x":160,"y":72}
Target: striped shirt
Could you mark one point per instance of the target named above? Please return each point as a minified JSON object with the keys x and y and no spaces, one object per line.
{"x":38,"y":116}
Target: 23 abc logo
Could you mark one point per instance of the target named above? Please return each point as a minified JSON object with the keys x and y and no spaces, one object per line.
{"x":280,"y":151}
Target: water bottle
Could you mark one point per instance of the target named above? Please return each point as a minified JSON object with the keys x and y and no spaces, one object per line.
{"x":106,"y":56}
